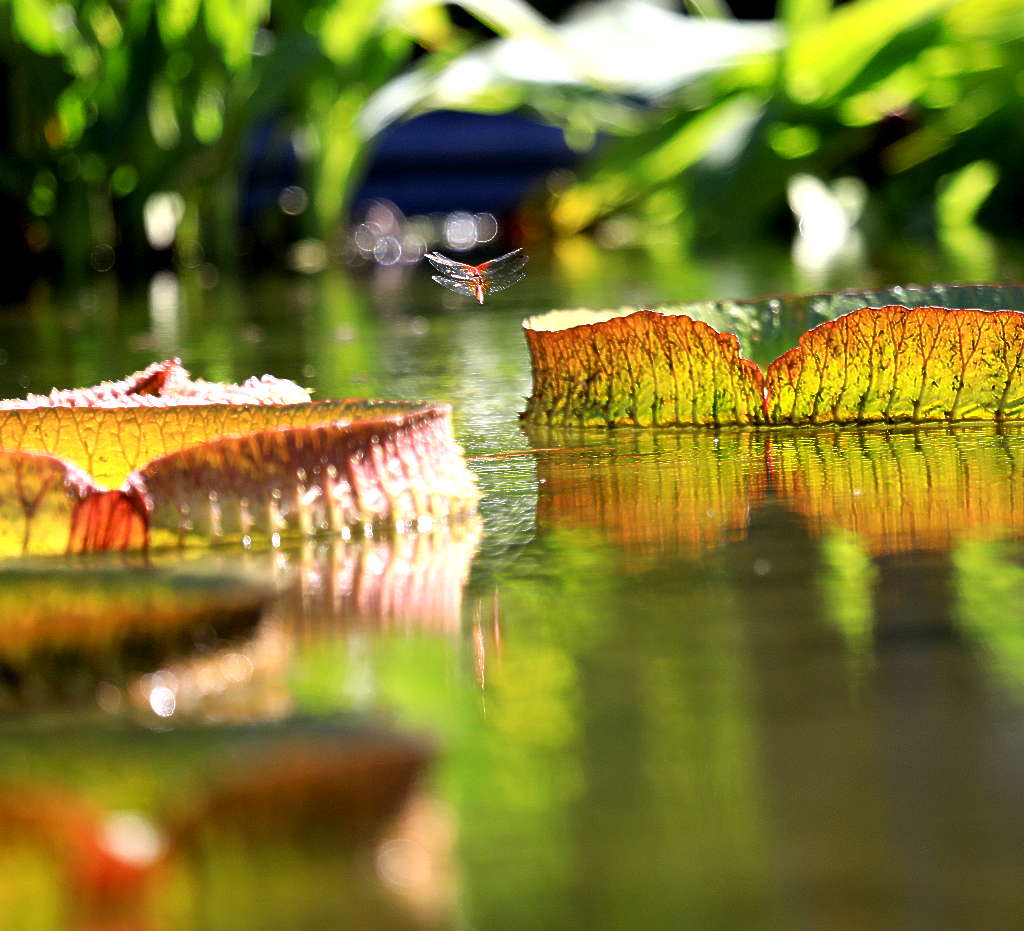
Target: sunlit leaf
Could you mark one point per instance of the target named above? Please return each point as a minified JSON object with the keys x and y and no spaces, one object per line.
{"x":204,"y":460}
{"x":659,"y":162}
{"x":34,"y":22}
{"x":233,"y":24}
{"x":39,"y":496}
{"x":346,"y":26}
{"x":631,"y":48}
{"x":644,"y":369}
{"x":827,"y":56}
{"x":176,"y":17}
{"x":884,"y":364}
{"x":895,"y":364}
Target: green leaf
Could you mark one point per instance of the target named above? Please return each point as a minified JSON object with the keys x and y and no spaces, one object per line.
{"x":346,"y":26}
{"x":824,"y":59}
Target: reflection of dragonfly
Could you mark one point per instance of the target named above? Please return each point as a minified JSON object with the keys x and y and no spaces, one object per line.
{"x":479,"y":280}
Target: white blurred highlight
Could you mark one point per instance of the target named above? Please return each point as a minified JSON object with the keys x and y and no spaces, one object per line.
{"x":160,"y":216}
{"x":827,"y":217}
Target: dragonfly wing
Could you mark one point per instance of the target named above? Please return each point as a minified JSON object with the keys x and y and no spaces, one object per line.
{"x":505,"y":282}
{"x":459,"y":287}
{"x":450,"y":267}
{"x":505,"y":266}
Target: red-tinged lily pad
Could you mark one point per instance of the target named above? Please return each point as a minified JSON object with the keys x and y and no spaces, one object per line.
{"x":65,"y":629}
{"x":643,"y":369}
{"x":159,"y":458}
{"x":277,"y":819}
{"x":892,"y":364}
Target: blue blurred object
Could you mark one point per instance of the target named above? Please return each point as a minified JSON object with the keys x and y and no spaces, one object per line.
{"x":446,"y":160}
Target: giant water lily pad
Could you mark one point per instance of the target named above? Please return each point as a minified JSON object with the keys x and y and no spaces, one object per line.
{"x":161,"y":458}
{"x":269,"y":825}
{"x":892,"y":364}
{"x":66,"y":629}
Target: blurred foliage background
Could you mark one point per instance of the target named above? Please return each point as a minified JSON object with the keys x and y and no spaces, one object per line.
{"x":146,"y":134}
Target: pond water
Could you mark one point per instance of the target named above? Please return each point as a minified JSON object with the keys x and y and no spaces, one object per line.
{"x":707,"y":679}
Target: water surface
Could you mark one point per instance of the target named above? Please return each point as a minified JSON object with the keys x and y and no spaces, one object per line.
{"x":707,"y":679}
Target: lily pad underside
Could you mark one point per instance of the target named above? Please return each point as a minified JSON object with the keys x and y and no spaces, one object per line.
{"x":159,"y":458}
{"x":875,"y":365}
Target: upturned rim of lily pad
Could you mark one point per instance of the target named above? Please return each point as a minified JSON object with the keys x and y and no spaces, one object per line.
{"x":874,"y":364}
{"x":195,"y":459}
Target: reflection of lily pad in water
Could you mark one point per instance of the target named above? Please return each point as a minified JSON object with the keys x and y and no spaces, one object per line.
{"x":198,"y":461}
{"x":904,"y":489}
{"x":667,"y":492}
{"x":408,"y":583}
{"x":675,"y":490}
{"x":270,"y":817}
{"x":888,"y":364}
{"x":64,"y":629}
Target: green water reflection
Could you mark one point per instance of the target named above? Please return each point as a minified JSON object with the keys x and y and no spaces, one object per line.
{"x":682,"y":679}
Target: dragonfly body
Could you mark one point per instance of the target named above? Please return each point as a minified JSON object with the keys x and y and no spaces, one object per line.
{"x":477,"y":281}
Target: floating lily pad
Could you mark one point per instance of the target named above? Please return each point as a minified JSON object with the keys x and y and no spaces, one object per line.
{"x":65,"y":629}
{"x":271,"y":824}
{"x":892,"y":364}
{"x":158,"y":458}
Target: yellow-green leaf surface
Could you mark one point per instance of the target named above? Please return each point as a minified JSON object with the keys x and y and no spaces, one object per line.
{"x":642,"y":369}
{"x":195,"y":459}
{"x":893,"y":364}
{"x":39,"y":496}
{"x":110,"y":443}
{"x":887,"y":364}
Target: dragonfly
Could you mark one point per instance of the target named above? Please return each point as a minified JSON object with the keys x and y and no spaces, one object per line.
{"x":478,"y":281}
